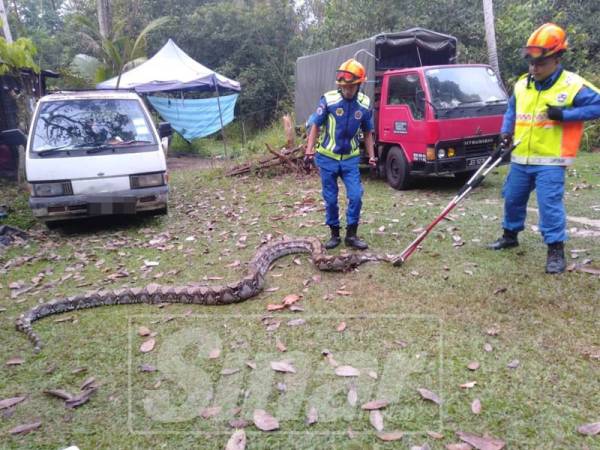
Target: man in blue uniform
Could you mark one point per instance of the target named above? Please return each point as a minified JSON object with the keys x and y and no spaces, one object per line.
{"x":344,"y":113}
{"x":546,"y":114}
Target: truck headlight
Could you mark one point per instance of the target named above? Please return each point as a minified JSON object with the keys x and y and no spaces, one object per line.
{"x":147,"y":180}
{"x":54,"y":189}
{"x":441,"y":153}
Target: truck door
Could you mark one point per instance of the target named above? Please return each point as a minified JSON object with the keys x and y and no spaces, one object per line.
{"x":402,"y":114}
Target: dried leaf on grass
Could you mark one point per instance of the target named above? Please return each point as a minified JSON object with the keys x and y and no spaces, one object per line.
{"x":15,"y":361}
{"x":468,"y":385}
{"x":209,"y":412}
{"x":264,"y":421}
{"x":237,"y":441}
{"x":346,"y":371}
{"x":214,"y":353}
{"x":473,"y":365}
{"x":435,"y":435}
{"x":352,"y":395}
{"x":476,"y":406}
{"x":143,"y":331}
{"x":60,"y":393}
{"x":459,"y":446}
{"x":513,"y":364}
{"x":481,"y":443}
{"x":148,"y":346}
{"x":429,"y":395}
{"x":290,"y":299}
{"x":26,"y":428}
{"x":390,"y":436}
{"x":376,"y":419}
{"x":341,"y":327}
{"x":375,"y":404}
{"x":8,"y":402}
{"x":80,"y":398}
{"x":312,"y":416}
{"x":282,"y":366}
{"x":590,"y":429}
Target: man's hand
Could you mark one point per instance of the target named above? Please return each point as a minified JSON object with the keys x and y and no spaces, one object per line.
{"x":506,"y":140}
{"x":555,"y":112}
{"x":373,"y":161}
{"x":309,"y":160}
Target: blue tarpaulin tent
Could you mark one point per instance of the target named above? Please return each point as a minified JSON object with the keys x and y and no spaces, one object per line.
{"x":172,"y":71}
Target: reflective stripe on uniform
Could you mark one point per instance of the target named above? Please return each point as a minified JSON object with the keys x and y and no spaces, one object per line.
{"x":559,"y":161}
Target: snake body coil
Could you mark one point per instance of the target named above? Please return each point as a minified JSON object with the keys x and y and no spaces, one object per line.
{"x":249,"y":286}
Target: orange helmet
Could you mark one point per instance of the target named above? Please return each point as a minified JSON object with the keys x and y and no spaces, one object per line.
{"x":547,"y":40}
{"x":350,"y":72}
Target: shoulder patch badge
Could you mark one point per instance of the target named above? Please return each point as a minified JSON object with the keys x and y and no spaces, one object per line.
{"x":339,"y":112}
{"x":561,"y":98}
{"x":320,"y":111}
{"x":358,"y":115}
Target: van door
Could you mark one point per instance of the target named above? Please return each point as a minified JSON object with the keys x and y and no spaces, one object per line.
{"x":402,"y":114}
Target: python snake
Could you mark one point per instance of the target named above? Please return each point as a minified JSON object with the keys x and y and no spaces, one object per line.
{"x":249,"y":286}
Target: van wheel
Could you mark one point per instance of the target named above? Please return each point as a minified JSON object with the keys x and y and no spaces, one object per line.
{"x":161,"y":212}
{"x":53,"y":225}
{"x":397,"y":171}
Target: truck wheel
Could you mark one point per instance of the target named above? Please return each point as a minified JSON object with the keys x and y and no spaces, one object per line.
{"x":463,"y":177}
{"x":396,"y":169}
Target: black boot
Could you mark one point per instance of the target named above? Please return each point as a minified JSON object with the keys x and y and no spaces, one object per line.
{"x":352,"y":240}
{"x":508,"y":240}
{"x":334,"y":240}
{"x":556,"y":258}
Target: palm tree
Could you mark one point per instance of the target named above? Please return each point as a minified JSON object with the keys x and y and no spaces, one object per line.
{"x":490,"y":34}
{"x":112,"y":55}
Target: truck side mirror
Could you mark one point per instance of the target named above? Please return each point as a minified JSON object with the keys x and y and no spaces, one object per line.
{"x":13,"y":137}
{"x":164,"y":129}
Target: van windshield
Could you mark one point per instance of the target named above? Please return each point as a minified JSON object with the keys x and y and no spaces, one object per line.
{"x":453,"y":87}
{"x":77,"y":124}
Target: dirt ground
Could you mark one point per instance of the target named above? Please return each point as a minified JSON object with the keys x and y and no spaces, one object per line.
{"x":192,"y":162}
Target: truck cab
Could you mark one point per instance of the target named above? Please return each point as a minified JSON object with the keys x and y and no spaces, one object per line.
{"x":437,"y":120}
{"x":433,"y":115}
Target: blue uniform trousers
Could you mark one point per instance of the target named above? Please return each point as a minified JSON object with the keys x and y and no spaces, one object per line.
{"x":348,"y":170}
{"x":549,"y":184}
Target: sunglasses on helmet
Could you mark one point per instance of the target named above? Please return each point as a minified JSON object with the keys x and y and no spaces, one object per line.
{"x":536,"y":53}
{"x":343,"y":76}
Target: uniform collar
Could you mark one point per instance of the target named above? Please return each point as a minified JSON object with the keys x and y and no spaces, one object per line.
{"x":549,"y":82}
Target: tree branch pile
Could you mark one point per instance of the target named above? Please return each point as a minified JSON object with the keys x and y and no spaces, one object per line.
{"x":288,"y":159}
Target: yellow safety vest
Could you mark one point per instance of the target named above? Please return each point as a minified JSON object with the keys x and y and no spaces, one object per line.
{"x":545,"y":141}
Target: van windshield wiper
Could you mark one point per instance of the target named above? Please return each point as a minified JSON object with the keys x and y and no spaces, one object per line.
{"x":131,"y":142}
{"x":53,"y":151}
{"x":99,"y":148}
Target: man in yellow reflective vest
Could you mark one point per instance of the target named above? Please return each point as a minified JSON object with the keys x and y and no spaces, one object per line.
{"x":546,"y":114}
{"x":344,"y":113}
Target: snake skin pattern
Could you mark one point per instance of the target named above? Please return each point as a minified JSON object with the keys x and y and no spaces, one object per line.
{"x":247,"y":287}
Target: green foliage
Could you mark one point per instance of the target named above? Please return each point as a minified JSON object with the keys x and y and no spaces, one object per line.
{"x":17,"y":55}
{"x":112,"y":54}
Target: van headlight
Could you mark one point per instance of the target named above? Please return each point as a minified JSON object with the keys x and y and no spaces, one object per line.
{"x":147,"y":180}
{"x":53,"y":189}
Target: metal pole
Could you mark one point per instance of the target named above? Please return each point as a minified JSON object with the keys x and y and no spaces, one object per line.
{"x":220,"y":114}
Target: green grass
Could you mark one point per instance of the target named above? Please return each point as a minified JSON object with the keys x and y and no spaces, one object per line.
{"x":441,"y":302}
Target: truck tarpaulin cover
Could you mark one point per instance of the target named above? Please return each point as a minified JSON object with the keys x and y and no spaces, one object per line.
{"x":315,"y":74}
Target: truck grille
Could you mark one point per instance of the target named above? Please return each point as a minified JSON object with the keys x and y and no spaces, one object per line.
{"x":478,"y":145}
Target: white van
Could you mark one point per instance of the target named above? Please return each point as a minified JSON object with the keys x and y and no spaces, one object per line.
{"x":93,"y":153}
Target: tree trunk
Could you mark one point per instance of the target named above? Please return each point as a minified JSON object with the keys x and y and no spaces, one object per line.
{"x":490,"y":35}
{"x":5,"y":27}
{"x":104,"y":18}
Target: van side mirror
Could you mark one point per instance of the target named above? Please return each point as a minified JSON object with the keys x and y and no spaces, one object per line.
{"x":13,"y":137}
{"x":164,"y":129}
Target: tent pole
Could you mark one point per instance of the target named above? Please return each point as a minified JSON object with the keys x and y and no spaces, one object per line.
{"x":220,"y":115}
